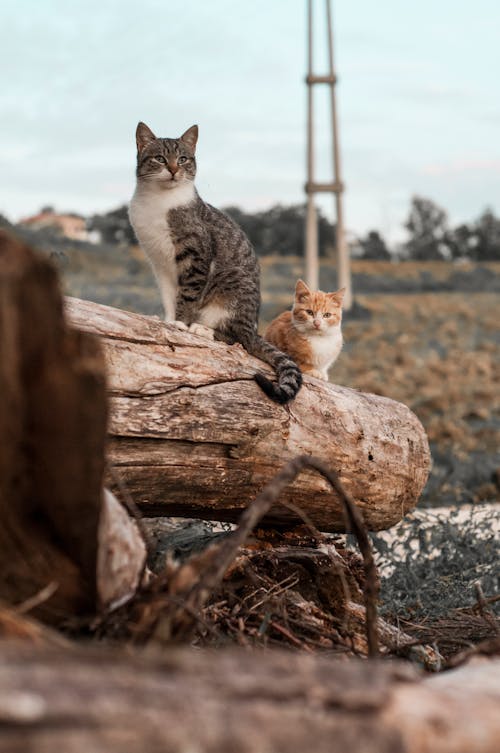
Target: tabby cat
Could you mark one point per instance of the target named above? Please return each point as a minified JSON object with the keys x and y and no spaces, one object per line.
{"x":311,"y":332}
{"x":205,"y":266}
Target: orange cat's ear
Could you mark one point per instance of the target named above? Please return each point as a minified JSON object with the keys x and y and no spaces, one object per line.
{"x":337,"y":297}
{"x":143,"y":136}
{"x":190,"y":137}
{"x":301,"y":290}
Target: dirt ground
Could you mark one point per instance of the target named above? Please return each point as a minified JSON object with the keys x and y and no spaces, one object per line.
{"x":439,"y":354}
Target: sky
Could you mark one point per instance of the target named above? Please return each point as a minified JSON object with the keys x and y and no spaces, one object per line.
{"x":418,"y":100}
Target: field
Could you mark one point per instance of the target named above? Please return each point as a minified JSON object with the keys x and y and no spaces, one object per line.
{"x":438,"y":353}
{"x":426,"y":334}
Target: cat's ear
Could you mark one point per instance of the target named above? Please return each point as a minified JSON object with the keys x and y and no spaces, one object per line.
{"x":190,"y":137}
{"x":337,"y":297}
{"x":301,"y":290}
{"x":143,"y":136}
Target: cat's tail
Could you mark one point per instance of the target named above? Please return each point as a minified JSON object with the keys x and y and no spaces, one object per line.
{"x":288,"y":373}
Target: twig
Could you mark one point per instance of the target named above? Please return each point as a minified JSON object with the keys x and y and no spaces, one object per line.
{"x":195,"y":615}
{"x":483,"y":608}
{"x":39,"y":598}
{"x":214,"y":567}
{"x":305,"y":519}
{"x":489,"y":647}
{"x":492,"y":599}
{"x":275,"y":591}
{"x":358,"y":528}
{"x":292,"y":638}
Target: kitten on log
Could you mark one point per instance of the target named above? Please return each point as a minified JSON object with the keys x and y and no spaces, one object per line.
{"x":205,"y":266}
{"x":311,"y":332}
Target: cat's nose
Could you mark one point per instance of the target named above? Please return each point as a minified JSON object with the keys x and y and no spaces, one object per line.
{"x":173,"y":167}
{"x":317,"y":323}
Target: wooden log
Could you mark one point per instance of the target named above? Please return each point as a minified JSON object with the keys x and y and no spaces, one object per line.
{"x":52,"y":435}
{"x":227,"y":701}
{"x":192,"y":435}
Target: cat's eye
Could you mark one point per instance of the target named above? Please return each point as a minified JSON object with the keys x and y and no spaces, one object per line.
{"x":327,"y":314}
{"x":181,"y":160}
{"x":309,"y":312}
{"x":159,"y":158}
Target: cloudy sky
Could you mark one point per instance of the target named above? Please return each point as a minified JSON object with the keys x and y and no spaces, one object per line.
{"x":418,"y":99}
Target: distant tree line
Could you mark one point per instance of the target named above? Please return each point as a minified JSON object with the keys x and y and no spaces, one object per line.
{"x":431,"y":237}
{"x":280,"y":230}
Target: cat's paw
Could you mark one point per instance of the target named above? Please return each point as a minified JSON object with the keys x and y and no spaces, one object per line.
{"x":317,"y":374}
{"x":178,"y":324}
{"x":200,"y":329}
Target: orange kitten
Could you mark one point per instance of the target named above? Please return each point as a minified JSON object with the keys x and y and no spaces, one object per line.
{"x":310,"y":333}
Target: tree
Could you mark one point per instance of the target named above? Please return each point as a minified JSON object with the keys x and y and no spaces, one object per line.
{"x":374,"y":247}
{"x":461,"y":241}
{"x":486,"y":246}
{"x":4,"y":222}
{"x":479,"y":241}
{"x":280,"y":229}
{"x":114,"y":226}
{"x":427,"y":225}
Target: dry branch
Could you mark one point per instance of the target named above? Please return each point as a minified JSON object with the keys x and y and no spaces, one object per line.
{"x":175,"y":601}
{"x":192,"y":434}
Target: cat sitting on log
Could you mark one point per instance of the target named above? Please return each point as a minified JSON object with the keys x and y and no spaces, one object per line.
{"x":311,"y":332}
{"x":205,"y":266}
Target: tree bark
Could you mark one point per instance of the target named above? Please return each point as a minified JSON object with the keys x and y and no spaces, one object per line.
{"x":231,"y":701}
{"x":192,"y":435}
{"x":52,"y":435}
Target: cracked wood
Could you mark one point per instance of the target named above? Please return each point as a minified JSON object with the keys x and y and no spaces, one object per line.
{"x":191,"y":434}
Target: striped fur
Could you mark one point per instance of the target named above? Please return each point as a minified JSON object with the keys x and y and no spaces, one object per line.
{"x":287,"y":371}
{"x":206,"y":267}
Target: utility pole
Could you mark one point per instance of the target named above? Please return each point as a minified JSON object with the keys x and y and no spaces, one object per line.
{"x":336,"y":186}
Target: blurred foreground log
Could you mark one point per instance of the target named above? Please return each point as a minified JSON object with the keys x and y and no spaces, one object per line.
{"x":55,"y":539}
{"x":192,"y":435}
{"x":228,"y":701}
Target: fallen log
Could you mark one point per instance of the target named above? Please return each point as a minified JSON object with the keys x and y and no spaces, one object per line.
{"x":227,"y":701}
{"x":192,"y":435}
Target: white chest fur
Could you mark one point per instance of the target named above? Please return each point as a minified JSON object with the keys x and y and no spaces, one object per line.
{"x":326,"y":348}
{"x":149,"y":217}
{"x":148,"y":214}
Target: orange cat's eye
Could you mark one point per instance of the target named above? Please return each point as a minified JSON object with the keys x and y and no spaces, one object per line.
{"x":327,"y":314}
{"x":311,"y":313}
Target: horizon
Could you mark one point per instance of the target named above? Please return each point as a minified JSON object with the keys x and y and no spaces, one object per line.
{"x":396,"y":249}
